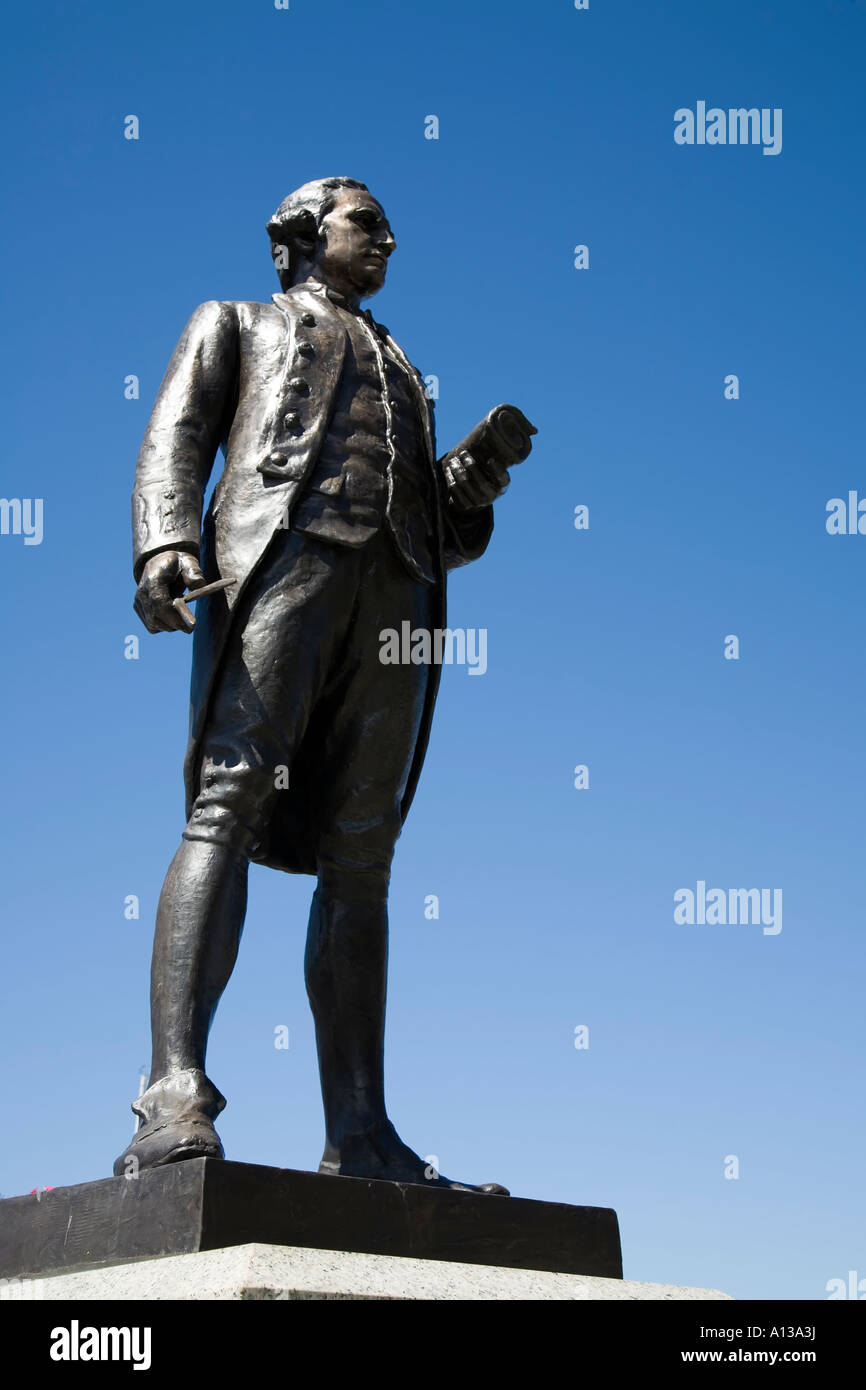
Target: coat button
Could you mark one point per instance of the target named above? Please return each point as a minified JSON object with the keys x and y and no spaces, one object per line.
{"x":308,"y":320}
{"x":306,"y":349}
{"x":278,"y":459}
{"x":299,"y":387}
{"x":291,"y":421}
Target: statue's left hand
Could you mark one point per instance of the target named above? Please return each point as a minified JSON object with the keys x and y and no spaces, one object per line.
{"x":476,"y":472}
{"x":473,"y":482}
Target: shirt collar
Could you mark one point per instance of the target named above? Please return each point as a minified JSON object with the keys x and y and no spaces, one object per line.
{"x":341,"y":302}
{"x":334,"y":295}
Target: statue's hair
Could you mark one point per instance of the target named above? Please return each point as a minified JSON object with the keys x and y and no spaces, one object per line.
{"x":296,"y":222}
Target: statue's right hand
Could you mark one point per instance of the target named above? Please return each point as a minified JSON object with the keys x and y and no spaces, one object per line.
{"x":163,"y":579}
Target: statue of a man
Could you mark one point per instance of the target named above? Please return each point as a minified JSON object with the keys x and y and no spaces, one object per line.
{"x":331,"y":522}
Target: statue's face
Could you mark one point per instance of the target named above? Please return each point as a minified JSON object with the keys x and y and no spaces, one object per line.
{"x":355,"y":241}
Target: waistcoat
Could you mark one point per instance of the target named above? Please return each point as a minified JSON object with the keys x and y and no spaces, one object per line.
{"x":372,"y":468}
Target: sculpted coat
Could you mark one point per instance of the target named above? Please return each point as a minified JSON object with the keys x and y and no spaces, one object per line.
{"x":259,"y":380}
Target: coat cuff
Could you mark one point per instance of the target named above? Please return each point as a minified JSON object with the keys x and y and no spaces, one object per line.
{"x":467,"y":535}
{"x":164,"y":518}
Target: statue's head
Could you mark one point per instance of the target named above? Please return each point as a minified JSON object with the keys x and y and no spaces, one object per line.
{"x":335,"y":231}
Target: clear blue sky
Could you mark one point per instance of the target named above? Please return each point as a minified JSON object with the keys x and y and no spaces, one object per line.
{"x":605,"y":647}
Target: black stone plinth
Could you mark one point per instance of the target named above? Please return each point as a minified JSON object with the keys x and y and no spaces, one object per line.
{"x":206,"y":1204}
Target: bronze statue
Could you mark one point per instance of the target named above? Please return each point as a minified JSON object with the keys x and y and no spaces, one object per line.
{"x":332,"y":521}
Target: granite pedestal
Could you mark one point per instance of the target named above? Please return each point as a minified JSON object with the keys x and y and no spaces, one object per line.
{"x":267,"y":1273}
